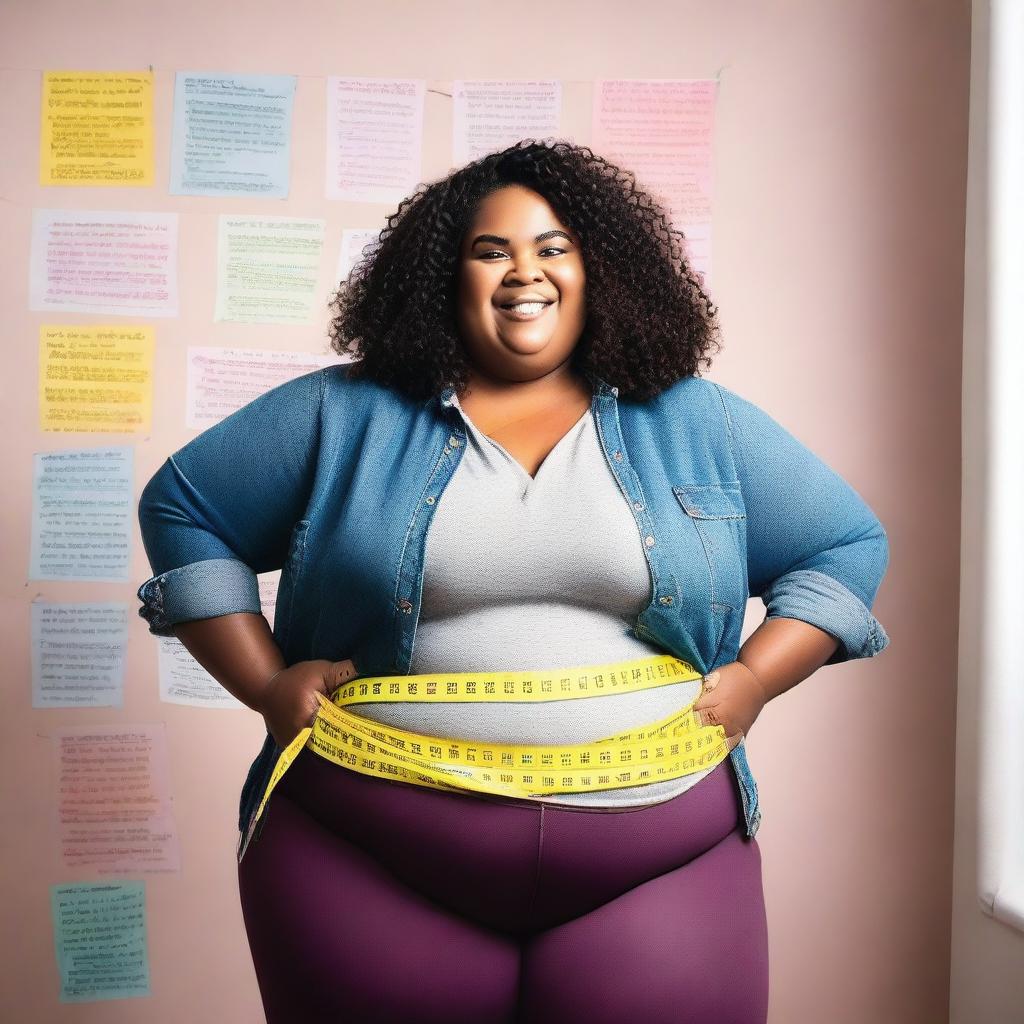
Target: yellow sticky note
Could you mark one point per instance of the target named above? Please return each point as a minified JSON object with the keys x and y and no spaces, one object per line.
{"x":95,"y":378}
{"x":96,"y":128}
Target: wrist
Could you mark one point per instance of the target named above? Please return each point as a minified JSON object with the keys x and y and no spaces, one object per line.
{"x":265,"y":689}
{"x":757,"y":679}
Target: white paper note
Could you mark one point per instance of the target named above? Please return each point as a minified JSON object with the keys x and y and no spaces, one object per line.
{"x":374,"y":138}
{"x":490,"y":115}
{"x":222,"y":380}
{"x":82,"y":513}
{"x":353,"y":243}
{"x":103,"y":261}
{"x":78,"y":654}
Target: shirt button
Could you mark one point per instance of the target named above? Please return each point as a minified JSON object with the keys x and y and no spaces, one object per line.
{"x":649,"y":541}
{"x":665,"y":600}
{"x":453,"y":441}
{"x":431,"y":500}
{"x":405,"y":605}
{"x":617,"y":455}
{"x":638,"y":505}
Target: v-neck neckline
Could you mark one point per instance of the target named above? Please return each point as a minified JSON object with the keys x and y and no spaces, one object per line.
{"x":531,"y":479}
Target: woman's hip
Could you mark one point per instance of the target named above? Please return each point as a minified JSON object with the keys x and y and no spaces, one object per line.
{"x":512,"y":864}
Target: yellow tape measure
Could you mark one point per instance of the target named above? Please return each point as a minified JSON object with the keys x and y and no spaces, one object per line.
{"x":674,"y":746}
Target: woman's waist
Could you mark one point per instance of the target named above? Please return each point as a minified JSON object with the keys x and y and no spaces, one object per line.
{"x":534,"y":724}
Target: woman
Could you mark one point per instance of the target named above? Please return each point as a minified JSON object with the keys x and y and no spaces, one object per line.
{"x":529,"y":338}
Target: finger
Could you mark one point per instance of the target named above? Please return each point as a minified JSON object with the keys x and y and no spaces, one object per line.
{"x":708,"y":715}
{"x":710,"y":681}
{"x":338,"y":673}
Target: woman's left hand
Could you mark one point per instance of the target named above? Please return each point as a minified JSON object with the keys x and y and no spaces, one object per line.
{"x":730,"y":696}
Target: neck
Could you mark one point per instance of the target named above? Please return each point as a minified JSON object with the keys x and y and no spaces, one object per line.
{"x":551,"y":387}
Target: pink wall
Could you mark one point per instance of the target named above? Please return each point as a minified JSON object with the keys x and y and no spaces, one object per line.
{"x":838,"y":266}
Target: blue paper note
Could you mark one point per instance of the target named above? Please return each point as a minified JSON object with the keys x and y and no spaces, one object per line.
{"x":231,"y":135}
{"x":83,"y":508}
{"x":99,"y":932}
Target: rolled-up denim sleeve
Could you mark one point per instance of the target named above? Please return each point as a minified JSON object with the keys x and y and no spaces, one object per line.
{"x":222,"y":509}
{"x":815,"y":550}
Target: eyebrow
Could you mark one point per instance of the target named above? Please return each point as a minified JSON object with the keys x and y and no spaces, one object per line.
{"x":498,"y":240}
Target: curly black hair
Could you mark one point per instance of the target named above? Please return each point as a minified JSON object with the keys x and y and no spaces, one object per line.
{"x":649,"y":323}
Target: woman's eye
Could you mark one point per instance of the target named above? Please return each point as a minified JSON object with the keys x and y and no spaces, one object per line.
{"x":495,"y":252}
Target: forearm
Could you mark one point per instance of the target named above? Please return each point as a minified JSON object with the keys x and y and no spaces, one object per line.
{"x":781,"y":652}
{"x":238,"y":650}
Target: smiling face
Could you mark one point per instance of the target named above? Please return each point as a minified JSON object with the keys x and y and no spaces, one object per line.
{"x":517,"y":250}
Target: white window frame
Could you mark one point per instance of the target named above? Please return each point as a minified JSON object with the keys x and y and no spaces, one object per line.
{"x":992,"y":566}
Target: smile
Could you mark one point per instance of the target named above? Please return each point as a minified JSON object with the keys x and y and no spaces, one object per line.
{"x":526,"y":310}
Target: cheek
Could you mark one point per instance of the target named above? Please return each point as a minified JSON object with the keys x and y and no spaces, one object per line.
{"x":572,"y":283}
{"x":476,"y":290}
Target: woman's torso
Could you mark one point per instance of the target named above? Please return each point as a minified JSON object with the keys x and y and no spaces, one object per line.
{"x":541,"y":569}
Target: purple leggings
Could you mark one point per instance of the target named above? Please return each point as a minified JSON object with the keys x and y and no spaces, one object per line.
{"x":368,"y":901}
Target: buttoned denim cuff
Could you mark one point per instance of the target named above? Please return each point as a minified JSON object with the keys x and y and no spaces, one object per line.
{"x":824,"y":602}
{"x":200,"y":590}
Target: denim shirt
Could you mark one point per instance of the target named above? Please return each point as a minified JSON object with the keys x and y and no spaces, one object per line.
{"x":334,"y":481}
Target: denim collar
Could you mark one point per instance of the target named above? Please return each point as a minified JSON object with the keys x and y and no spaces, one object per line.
{"x":601,"y":389}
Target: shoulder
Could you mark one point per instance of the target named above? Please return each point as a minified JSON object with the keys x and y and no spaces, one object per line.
{"x":707,"y":398}
{"x":339,"y":384}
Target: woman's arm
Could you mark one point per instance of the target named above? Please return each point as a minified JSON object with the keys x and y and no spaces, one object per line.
{"x":775,"y":657}
{"x":237,"y":650}
{"x":783,"y":652}
{"x":223,"y":508}
{"x":815,"y":551}
{"x":816,"y":555}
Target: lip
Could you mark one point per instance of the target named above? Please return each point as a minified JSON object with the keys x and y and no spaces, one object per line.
{"x":513,"y":315}
{"x":526,"y":297}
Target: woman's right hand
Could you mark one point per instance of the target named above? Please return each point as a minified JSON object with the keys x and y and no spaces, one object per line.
{"x":288,"y":702}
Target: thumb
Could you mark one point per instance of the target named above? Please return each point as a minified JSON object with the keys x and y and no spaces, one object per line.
{"x":338,"y":673}
{"x":703,"y":706}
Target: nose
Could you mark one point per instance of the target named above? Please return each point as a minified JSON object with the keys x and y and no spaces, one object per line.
{"x":523,"y":270}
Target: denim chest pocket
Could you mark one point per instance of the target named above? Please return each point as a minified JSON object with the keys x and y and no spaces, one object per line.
{"x":720,"y":519}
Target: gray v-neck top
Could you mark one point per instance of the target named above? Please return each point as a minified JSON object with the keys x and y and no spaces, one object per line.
{"x":537,"y":572}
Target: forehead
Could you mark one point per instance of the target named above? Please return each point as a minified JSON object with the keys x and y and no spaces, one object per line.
{"x":514,"y":210}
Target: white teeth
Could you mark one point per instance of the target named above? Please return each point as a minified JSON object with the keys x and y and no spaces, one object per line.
{"x":528,"y":307}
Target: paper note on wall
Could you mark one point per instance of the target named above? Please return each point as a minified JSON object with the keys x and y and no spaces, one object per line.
{"x":267,"y":268}
{"x":663,"y":131}
{"x":374,"y":138}
{"x":222,"y":380}
{"x":99,"y":936}
{"x":490,"y":115}
{"x":113,"y":799}
{"x":268,"y":582}
{"x":354,"y":242}
{"x":231,"y":135}
{"x":104,"y":261}
{"x":78,"y":654}
{"x":83,"y":507}
{"x":184,"y":681}
{"x":96,"y":128}
{"x":94,"y":379}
